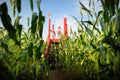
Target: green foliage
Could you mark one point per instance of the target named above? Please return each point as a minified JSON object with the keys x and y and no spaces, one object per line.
{"x":6,"y":21}
{"x":31,"y":4}
{"x":34,"y":23}
{"x":21,"y":51}
{"x":19,"y":5}
{"x":30,"y":49}
{"x":93,"y":53}
{"x":15,"y":4}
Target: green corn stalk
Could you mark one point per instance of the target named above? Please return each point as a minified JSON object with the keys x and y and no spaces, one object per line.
{"x":20,"y":59}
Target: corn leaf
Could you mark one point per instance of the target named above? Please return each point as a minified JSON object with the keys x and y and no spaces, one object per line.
{"x":30,"y":50}
{"x":112,"y":25}
{"x":31,"y":5}
{"x":117,"y":23}
{"x":97,"y":17}
{"x":34,"y":23}
{"x":6,"y":21}
{"x":19,"y":5}
{"x":102,"y":24}
{"x":38,"y":50}
{"x":5,"y":46}
{"x":85,"y":9}
{"x":78,"y":22}
{"x":40,"y":23}
{"x":19,"y":31}
{"x":18,"y":27}
{"x":117,"y":3}
{"x":28,"y":21}
{"x":5,"y":18}
{"x":17,"y":21}
{"x":38,"y":4}
{"x":88,"y":30}
{"x":13,"y":5}
{"x":3,"y":8}
{"x":89,"y":22}
{"x":94,"y":46}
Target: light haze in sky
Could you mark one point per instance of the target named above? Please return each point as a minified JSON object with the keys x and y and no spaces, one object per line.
{"x":58,"y":9}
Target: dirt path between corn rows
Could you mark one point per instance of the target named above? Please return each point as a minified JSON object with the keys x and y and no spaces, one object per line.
{"x":59,"y":75}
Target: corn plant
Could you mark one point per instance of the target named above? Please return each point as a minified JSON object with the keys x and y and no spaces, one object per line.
{"x":21,"y":51}
{"x":93,"y":53}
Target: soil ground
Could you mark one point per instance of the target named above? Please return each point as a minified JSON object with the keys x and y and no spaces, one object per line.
{"x":59,"y":75}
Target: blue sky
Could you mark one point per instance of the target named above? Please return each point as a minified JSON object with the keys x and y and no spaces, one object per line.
{"x":58,"y":9}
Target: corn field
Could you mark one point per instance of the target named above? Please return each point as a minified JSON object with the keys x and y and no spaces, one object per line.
{"x":91,"y":53}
